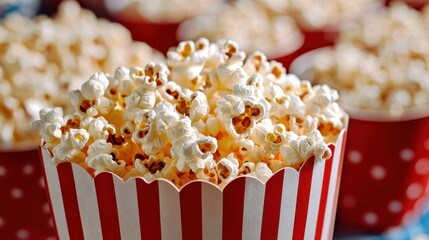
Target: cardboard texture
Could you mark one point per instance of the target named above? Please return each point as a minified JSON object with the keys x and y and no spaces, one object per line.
{"x":292,"y":204}
{"x":24,"y":207}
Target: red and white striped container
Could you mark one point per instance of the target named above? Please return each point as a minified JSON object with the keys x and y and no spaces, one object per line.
{"x":292,"y":204}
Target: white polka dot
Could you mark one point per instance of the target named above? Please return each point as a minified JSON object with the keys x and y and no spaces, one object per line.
{"x":46,"y":208}
{"x":349,"y":201}
{"x":28,"y":169}
{"x":378,"y":172}
{"x":355,"y":156}
{"x":407,"y":154}
{"x":2,"y":171}
{"x":408,"y":218}
{"x":42,"y":183}
{"x":22,"y":234}
{"x":422,"y":166}
{"x":427,"y":144}
{"x":370,"y":218}
{"x":51,"y":223}
{"x":16,"y":193}
{"x":414,"y":191}
{"x":395,"y":206}
{"x":1,"y":222}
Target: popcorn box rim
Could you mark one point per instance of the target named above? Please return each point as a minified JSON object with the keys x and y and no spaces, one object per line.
{"x":302,"y":64}
{"x":338,"y":143}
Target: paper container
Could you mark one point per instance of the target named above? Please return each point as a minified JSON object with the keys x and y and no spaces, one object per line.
{"x":386,"y":173}
{"x":416,"y":4}
{"x":160,"y":36}
{"x":386,"y":166}
{"x":24,"y":207}
{"x":291,"y":204}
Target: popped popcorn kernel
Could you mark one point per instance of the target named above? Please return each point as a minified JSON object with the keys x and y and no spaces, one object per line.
{"x":44,"y":58}
{"x":380,"y":64}
{"x":161,"y":128}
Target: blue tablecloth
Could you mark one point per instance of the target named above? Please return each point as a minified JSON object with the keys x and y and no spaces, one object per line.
{"x":416,"y":231}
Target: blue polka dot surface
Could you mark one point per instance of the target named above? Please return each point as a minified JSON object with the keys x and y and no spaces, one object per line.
{"x":415,"y":231}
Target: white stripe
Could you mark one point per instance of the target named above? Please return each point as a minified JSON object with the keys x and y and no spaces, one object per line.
{"x":128,"y":211}
{"x":212,"y":204}
{"x":87,"y":201}
{"x":287,"y":210}
{"x":314,"y":201}
{"x":254,"y":196}
{"x":55,"y":195}
{"x":169,"y":206}
{"x":331,"y":202}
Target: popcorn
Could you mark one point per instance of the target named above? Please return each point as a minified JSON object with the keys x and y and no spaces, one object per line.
{"x":227,"y":169}
{"x":103,"y":157}
{"x":162,"y":10}
{"x":252,"y":26}
{"x":153,"y":127}
{"x":380,"y":64}
{"x":314,"y":15}
{"x":60,"y":53}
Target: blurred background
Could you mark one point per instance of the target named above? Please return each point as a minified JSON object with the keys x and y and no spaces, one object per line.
{"x":375,"y":52}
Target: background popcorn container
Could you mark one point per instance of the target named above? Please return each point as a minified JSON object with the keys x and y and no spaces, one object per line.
{"x":159,"y":35}
{"x":24,"y":207}
{"x":299,"y":204}
{"x":386,"y":167}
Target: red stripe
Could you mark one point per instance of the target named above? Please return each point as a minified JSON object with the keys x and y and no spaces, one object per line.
{"x":324,"y":195}
{"x":47,"y":188}
{"x":71,"y":206}
{"x":150,"y":216}
{"x":191,"y":211}
{"x":233,"y":205}
{"x":272,"y":205}
{"x":107,"y":207}
{"x":304,"y":186}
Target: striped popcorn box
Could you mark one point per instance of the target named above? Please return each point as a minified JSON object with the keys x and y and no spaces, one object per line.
{"x":292,"y":204}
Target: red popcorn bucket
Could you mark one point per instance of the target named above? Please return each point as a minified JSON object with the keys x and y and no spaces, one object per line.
{"x":386,"y":171}
{"x":160,"y":36}
{"x":24,"y":207}
{"x":292,"y":204}
{"x":416,"y":4}
{"x":386,"y":167}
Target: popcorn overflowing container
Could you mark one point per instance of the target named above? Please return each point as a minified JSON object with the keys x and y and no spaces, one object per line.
{"x":299,"y":204}
{"x":24,"y":208}
{"x":386,"y":166}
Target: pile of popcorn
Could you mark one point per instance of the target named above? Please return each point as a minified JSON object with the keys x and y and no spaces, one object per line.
{"x":251,"y":26}
{"x":42,"y":59}
{"x":172,"y":11}
{"x":317,"y":14}
{"x":211,"y":113}
{"x":382,"y":64}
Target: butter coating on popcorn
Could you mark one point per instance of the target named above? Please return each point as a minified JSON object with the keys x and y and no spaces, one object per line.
{"x":252,"y":123}
{"x":42,"y":59}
